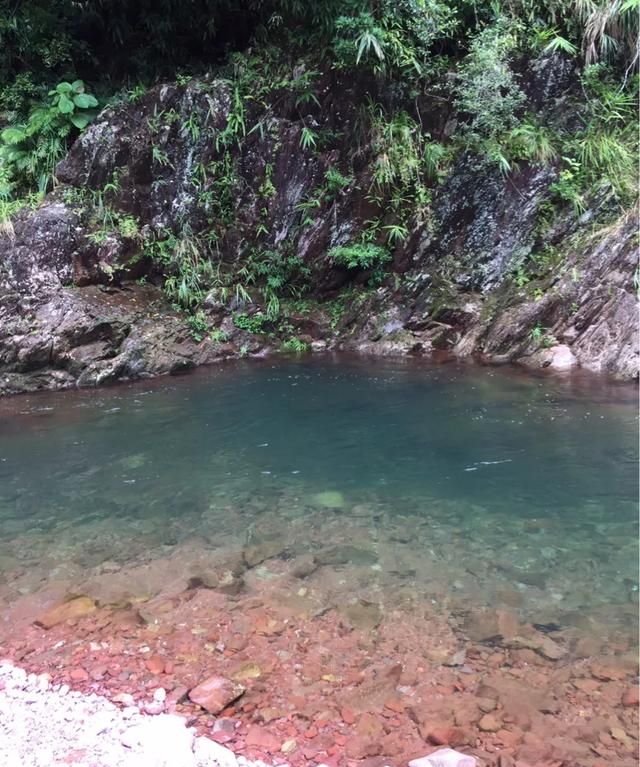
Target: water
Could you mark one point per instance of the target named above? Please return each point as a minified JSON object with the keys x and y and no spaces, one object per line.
{"x":463,"y":485}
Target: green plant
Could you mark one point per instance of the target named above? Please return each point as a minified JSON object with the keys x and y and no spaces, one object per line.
{"x":308,"y":138}
{"x":252,"y":323}
{"x":30,"y":150}
{"x":198,"y":325}
{"x":294,"y":346}
{"x":359,"y":255}
{"x":218,"y":336}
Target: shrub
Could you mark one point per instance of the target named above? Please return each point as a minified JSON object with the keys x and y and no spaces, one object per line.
{"x":359,"y":255}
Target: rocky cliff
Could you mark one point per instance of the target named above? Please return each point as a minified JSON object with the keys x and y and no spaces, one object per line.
{"x":159,"y":201}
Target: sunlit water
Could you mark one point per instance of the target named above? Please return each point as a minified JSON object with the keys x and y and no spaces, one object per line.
{"x":468,"y":480}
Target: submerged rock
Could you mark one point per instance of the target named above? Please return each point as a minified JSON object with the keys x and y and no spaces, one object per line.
{"x":345,"y":554}
{"x":330,"y":499}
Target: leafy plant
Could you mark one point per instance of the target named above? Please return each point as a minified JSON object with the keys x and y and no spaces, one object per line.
{"x":294,"y":346}
{"x":252,"y":323}
{"x":359,"y":255}
{"x":31,"y":150}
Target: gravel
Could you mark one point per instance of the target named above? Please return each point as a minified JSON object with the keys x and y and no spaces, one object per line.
{"x":44,"y":726}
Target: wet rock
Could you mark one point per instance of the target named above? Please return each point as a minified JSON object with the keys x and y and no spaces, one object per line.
{"x":74,"y":608}
{"x":247,"y":671}
{"x":329,"y":499}
{"x":345,"y":554}
{"x":259,"y":552}
{"x":539,"y":643}
{"x":303,"y":566}
{"x":216,"y":693}
{"x":363,"y":615}
{"x":491,"y":625}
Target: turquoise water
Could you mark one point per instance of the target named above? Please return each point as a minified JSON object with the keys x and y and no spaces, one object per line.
{"x":478,"y":479}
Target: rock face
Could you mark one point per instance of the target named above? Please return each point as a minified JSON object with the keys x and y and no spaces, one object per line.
{"x":80,"y":296}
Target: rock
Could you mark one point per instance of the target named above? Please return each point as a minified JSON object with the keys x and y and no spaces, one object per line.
{"x":631,"y":697}
{"x":363,"y":615}
{"x":345,"y":554}
{"x":216,"y":693}
{"x":489,"y":723}
{"x":539,"y":643}
{"x":247,"y":670}
{"x":491,"y":625}
{"x":155,"y":664}
{"x":304,"y":566}
{"x":329,"y":499}
{"x":260,"y":738}
{"x":562,"y":358}
{"x":259,"y":552}
{"x":444,"y":757}
{"x":74,"y":608}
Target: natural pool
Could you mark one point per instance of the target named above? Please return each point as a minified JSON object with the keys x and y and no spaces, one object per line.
{"x":380,"y":488}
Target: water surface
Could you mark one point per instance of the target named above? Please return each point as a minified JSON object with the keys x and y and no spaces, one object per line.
{"x":490,"y":486}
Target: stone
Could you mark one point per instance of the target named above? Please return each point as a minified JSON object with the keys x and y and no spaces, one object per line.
{"x":259,"y":552}
{"x":329,"y":499}
{"x":74,"y":608}
{"x":345,"y":554}
{"x":489,"y":723}
{"x":165,"y":739}
{"x":491,"y":625}
{"x":444,"y":757}
{"x":247,"y":670}
{"x":631,"y":696}
{"x":155,"y":664}
{"x":216,"y":693}
{"x":363,"y":615}
{"x":303,"y":566}
{"x":258,"y":737}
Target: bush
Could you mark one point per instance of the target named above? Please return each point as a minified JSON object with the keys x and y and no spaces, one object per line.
{"x":360,"y":255}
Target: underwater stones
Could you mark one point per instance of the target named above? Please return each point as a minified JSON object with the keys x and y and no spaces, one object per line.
{"x":74,"y":608}
{"x":329,"y":499}
{"x":303,"y":566}
{"x":345,"y":554}
{"x":489,"y":723}
{"x":257,"y":553}
{"x":247,"y":670}
{"x":539,"y":643}
{"x":491,"y":625}
{"x":363,"y":615}
{"x":216,"y":693}
{"x":261,"y":738}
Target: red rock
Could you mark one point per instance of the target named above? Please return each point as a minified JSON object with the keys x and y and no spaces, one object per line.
{"x":216,"y":693}
{"x":78,"y":675}
{"x":262,"y":739}
{"x":155,"y":664}
{"x":348,"y":717}
{"x":631,"y":697}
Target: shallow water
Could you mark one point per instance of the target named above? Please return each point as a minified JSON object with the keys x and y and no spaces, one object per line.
{"x":473,"y":485}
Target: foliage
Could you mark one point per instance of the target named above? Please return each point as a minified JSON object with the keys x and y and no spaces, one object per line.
{"x":487,"y":90}
{"x":29,"y":151}
{"x":359,"y":255}
{"x":252,"y":323}
{"x":294,"y":346}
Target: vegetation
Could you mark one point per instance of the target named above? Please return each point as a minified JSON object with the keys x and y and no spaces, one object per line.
{"x":405,"y":57}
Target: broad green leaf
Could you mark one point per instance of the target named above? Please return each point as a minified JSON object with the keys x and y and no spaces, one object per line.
{"x":81,"y":120}
{"x":85,"y":101}
{"x":63,"y":88}
{"x":65,"y":105}
{"x":77,"y":86}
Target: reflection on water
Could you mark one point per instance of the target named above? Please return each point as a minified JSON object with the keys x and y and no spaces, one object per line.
{"x":480,"y":486}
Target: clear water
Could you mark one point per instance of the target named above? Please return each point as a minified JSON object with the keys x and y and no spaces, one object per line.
{"x":464,"y":481}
